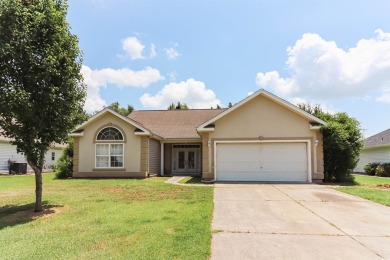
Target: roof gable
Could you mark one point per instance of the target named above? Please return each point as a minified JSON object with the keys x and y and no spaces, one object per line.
{"x":379,"y":139}
{"x":270,"y":96}
{"x":79,"y":129}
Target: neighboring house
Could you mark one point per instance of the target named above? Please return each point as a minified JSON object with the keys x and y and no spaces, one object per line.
{"x":261,"y":138}
{"x":8,"y":152}
{"x":376,"y":149}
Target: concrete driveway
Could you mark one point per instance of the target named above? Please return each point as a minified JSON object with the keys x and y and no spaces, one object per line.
{"x":297,"y":221}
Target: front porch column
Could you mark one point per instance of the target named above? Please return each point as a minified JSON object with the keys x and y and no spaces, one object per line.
{"x":206,"y":173}
{"x":162,"y":159}
{"x":145,"y":155}
{"x":76,"y":156}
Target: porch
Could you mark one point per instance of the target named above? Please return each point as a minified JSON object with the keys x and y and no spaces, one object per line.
{"x":181,"y":159}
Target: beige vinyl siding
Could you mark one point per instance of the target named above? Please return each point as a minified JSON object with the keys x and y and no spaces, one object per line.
{"x":154,"y":156}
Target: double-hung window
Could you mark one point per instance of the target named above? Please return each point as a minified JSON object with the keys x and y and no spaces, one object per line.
{"x":109,"y":148}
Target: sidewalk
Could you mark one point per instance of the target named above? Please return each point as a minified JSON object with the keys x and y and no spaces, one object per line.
{"x":176,"y":179}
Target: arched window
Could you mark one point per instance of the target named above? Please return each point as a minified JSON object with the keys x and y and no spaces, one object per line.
{"x":109,"y":133}
{"x":109,"y":155}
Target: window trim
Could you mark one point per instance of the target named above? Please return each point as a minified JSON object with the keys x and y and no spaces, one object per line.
{"x":109,"y":156}
{"x":109,"y":141}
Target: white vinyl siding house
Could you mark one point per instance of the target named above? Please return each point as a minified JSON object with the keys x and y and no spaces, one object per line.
{"x":8,"y":152}
{"x":376,"y":150}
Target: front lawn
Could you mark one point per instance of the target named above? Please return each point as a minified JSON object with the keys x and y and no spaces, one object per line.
{"x":104,"y":219}
{"x":371,"y":188}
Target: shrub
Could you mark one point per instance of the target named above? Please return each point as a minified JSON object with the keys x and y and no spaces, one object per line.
{"x":383,"y":170}
{"x":371,"y":168}
{"x":342,"y":141}
{"x":64,"y":166}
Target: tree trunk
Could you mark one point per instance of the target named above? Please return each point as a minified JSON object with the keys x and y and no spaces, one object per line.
{"x":38,"y":190}
{"x":38,"y":187}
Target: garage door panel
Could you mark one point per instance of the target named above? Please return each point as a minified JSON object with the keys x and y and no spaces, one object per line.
{"x":262,"y":162}
{"x":276,"y":165}
{"x":242,"y":166}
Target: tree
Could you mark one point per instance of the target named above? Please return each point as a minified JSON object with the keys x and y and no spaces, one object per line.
{"x":41,"y":89}
{"x":343,"y":141}
{"x":121,"y":110}
{"x":230,"y":105}
{"x":179,"y":106}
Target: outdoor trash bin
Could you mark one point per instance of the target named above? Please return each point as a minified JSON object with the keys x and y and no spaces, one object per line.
{"x":18,"y":168}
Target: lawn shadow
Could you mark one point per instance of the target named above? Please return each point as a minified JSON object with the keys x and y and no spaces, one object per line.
{"x":344,"y":183}
{"x":12,"y":215}
{"x":194,"y":180}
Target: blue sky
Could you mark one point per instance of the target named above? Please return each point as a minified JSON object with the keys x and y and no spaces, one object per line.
{"x":152,"y":53}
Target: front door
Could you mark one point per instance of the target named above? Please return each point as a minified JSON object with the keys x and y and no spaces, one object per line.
{"x":186,"y":160}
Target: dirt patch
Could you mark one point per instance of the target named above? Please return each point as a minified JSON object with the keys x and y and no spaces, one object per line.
{"x":114,"y":189}
{"x":149,"y":193}
{"x":16,"y":193}
{"x":170,"y":230}
{"x":30,"y":215}
{"x":383,"y":186}
{"x":100,"y":246}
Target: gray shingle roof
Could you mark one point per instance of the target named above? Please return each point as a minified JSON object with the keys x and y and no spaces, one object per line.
{"x":174,"y":124}
{"x":382,"y":138}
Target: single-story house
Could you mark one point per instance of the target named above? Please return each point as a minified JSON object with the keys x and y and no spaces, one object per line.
{"x":261,"y":138}
{"x":8,"y":152}
{"x":376,"y":150}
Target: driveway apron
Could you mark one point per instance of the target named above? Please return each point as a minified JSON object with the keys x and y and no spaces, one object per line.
{"x":297,"y":221}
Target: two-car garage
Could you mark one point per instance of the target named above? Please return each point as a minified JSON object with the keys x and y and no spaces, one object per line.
{"x":263,"y":161}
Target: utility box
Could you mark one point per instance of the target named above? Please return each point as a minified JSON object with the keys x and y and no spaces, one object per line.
{"x":18,"y":168}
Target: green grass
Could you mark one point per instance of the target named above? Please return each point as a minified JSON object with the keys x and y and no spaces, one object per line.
{"x":104,"y":219}
{"x":371,"y":188}
{"x":365,"y":179}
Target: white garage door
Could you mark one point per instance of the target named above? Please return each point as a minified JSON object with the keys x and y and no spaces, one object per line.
{"x":262,"y":162}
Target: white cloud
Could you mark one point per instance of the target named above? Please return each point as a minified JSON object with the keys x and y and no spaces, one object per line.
{"x":193,"y":93}
{"x":153,"y":51}
{"x":172,"y":53}
{"x":385,"y":97}
{"x":283,"y":86}
{"x":321,"y":70}
{"x":250,"y":93}
{"x":93,"y":101}
{"x":172,"y":76}
{"x":95,"y":79}
{"x":133,"y":47}
{"x":126,"y":77}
